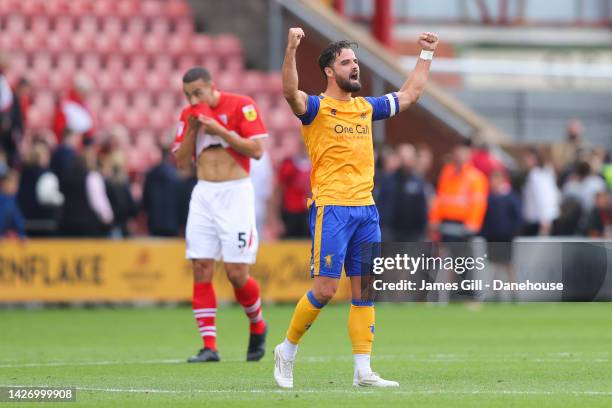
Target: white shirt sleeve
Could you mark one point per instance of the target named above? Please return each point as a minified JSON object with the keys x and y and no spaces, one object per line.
{"x":96,"y":195}
{"x":47,"y":190}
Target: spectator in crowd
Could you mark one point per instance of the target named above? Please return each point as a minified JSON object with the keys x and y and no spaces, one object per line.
{"x":384,"y":187}
{"x":583,"y":185}
{"x":118,"y":191}
{"x":294,"y":186}
{"x":160,"y":197}
{"x":39,"y":196}
{"x":11,"y":218}
{"x":409,"y":199}
{"x":502,"y":222}
{"x":72,"y":112}
{"x":485,"y":161}
{"x":7,"y":100}
{"x":262,"y":177}
{"x":459,"y":208}
{"x":19,"y":112}
{"x":87,"y":210}
{"x":65,"y":153}
{"x":540,"y":195}
{"x":565,"y":153}
{"x":424,"y":160}
{"x":599,"y":222}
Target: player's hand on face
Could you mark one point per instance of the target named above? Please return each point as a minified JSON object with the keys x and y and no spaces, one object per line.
{"x":295,"y":36}
{"x":428,"y":41}
{"x":210,"y":125}
{"x":193,"y":122}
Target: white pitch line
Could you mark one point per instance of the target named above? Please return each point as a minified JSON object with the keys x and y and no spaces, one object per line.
{"x":326,"y":391}
{"x":446,"y":358}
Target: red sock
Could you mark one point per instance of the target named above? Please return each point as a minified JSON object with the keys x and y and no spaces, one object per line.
{"x":204,"y":306}
{"x":248,"y":297}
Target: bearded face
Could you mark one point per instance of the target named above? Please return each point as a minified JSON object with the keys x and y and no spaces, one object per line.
{"x":345,"y":71}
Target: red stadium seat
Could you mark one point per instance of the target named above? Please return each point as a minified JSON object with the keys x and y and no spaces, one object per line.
{"x":228,"y":44}
{"x":42,"y":61}
{"x":234,"y":63}
{"x":211,"y":62}
{"x":46,"y":100}
{"x":108,"y":81}
{"x":131,"y":80}
{"x":160,"y":27}
{"x":112,"y":27}
{"x":66,"y":62}
{"x":117,"y":101}
{"x":88,"y":26}
{"x":184,"y":26}
{"x":166,"y":101}
{"x":32,"y":42}
{"x":201,"y":44}
{"x":81,"y":44}
{"x":139,"y":63}
{"x":179,"y":45}
{"x":15,"y":24}
{"x":18,"y":62}
{"x":151,"y":8}
{"x":186,"y":62}
{"x":163,"y":64}
{"x":115,"y":63}
{"x":153,"y":45}
{"x":156,"y":81}
{"x":64,"y":26}
{"x":106,"y":45}
{"x":136,"y":27}
{"x":91,"y":63}
{"x":253,"y":82}
{"x":127,"y":8}
{"x":10,"y":41}
{"x":80,"y":7}
{"x":40,"y":25}
{"x":130,"y":45}
{"x":31,"y":7}
{"x":59,"y":79}
{"x":53,"y":8}
{"x":103,"y":7}
{"x":176,"y":9}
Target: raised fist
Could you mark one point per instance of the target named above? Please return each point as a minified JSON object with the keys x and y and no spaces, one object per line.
{"x":295,"y":36}
{"x":428,"y":41}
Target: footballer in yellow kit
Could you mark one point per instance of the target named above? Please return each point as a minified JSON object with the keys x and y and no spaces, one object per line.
{"x":337,"y":130}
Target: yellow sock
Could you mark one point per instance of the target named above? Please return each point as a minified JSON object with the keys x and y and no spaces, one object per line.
{"x":306,"y":312}
{"x":361,"y":326}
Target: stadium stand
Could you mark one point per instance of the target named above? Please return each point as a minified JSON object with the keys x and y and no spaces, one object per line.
{"x":136,"y":52}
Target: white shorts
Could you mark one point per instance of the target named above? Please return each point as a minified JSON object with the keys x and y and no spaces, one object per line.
{"x":221,"y":222}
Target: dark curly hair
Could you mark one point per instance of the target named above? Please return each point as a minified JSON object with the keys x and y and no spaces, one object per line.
{"x":329,"y":54}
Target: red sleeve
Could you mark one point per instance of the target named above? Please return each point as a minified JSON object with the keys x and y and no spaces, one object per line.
{"x":59,"y":123}
{"x":181,"y":129}
{"x":250,"y":124}
{"x":285,"y":173}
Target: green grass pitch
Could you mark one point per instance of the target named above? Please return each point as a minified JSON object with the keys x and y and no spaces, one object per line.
{"x":504,"y":355}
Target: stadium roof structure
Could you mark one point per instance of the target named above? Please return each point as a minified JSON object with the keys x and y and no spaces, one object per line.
{"x":386,"y":67}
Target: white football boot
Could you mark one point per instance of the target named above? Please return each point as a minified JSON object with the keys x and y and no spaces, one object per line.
{"x":283,"y":369}
{"x":371,"y":379}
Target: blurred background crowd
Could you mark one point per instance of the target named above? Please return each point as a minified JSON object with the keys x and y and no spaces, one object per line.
{"x":89,"y":99}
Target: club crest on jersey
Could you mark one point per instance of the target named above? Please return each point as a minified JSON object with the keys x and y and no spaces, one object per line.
{"x":333,"y":112}
{"x":249,"y":112}
{"x":363,"y":115}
